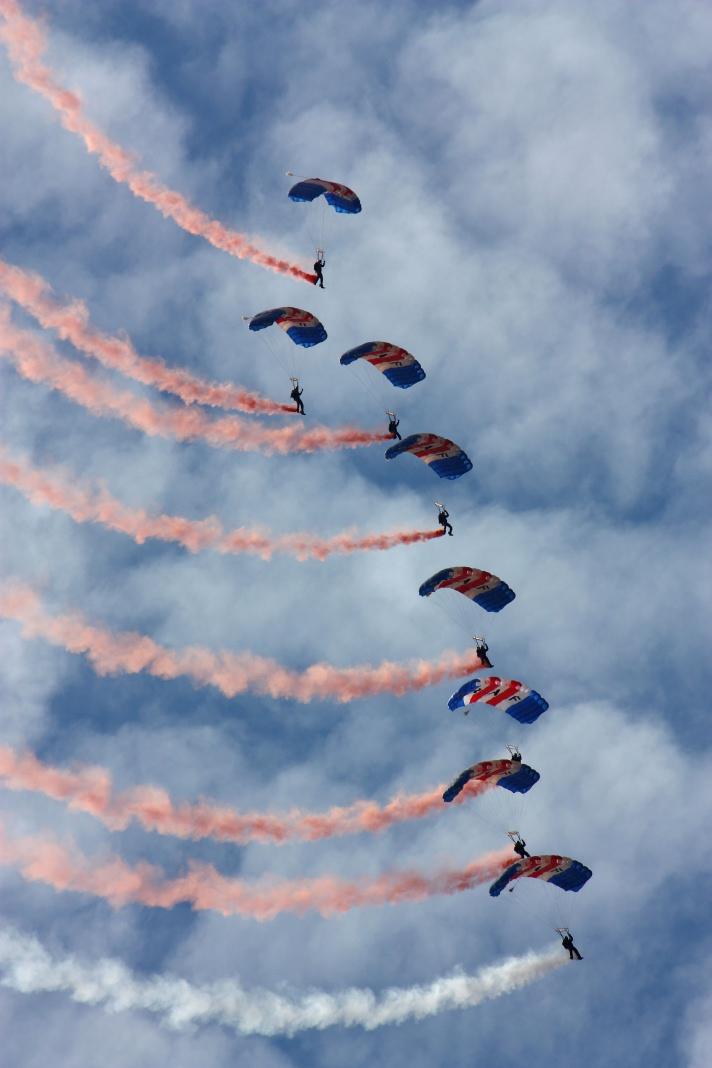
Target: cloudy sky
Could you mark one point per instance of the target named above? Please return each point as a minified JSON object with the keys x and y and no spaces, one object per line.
{"x":536,"y":187}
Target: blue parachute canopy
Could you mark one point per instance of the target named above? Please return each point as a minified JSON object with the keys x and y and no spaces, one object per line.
{"x":445,"y":457}
{"x":400,"y":368}
{"x":341,"y":198}
{"x":302,"y":327}
{"x":486,"y":590}
{"x":563,"y":872}
{"x":509,"y":695}
{"x":510,"y":774}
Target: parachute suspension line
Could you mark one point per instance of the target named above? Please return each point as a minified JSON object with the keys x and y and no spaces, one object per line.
{"x":488,"y":819}
{"x":262,"y":336}
{"x":322,"y":229}
{"x":285,"y":358}
{"x":365,"y":380}
{"x":312,"y":219}
{"x":455,"y":614}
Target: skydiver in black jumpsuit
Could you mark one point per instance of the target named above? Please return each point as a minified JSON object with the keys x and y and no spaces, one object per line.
{"x":296,"y":396}
{"x":568,"y":943}
{"x":318,"y":271}
{"x":443,"y":516}
{"x":482,"y":649}
{"x":519,"y":849}
{"x":393,"y":425}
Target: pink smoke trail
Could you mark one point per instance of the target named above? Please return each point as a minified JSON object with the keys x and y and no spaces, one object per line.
{"x":90,"y":789}
{"x":127,"y":652}
{"x":25,"y":42}
{"x":46,"y":861}
{"x":71,"y":323}
{"x":38,"y":362}
{"x":96,"y":505}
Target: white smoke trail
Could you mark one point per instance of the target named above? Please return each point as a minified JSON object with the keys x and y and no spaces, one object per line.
{"x":28,"y":968}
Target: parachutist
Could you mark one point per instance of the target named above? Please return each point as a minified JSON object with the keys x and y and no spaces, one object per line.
{"x":516,"y":756}
{"x":393,"y":424}
{"x":482,"y":649}
{"x":443,"y":516}
{"x":519,"y":848}
{"x":318,"y":270}
{"x":568,"y":943}
{"x":296,"y":396}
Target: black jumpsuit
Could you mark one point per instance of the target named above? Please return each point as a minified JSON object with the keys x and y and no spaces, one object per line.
{"x":296,"y":396}
{"x":319,"y":280}
{"x":443,"y":521}
{"x":568,"y":943}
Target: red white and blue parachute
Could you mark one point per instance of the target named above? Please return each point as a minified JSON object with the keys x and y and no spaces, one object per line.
{"x":488,"y":591}
{"x":445,"y":457}
{"x":509,"y":695}
{"x":511,"y":774}
{"x":560,"y":871}
{"x":341,"y":198}
{"x":303,"y":327}
{"x":399,"y":367}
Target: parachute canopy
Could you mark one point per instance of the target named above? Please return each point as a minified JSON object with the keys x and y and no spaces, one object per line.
{"x":488,"y":591}
{"x":511,"y":774}
{"x":303,"y":327}
{"x":445,"y":457}
{"x":511,"y":696}
{"x":399,"y":367}
{"x":341,"y":198}
{"x":561,"y":871}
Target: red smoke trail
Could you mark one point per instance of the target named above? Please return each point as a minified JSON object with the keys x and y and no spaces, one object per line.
{"x":89,"y":789}
{"x":95,"y":505}
{"x":46,"y":861}
{"x":25,"y":43}
{"x":232,"y":673}
{"x":38,"y":362}
{"x":71,"y":323}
